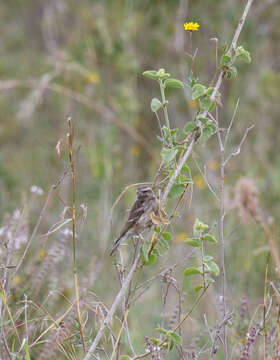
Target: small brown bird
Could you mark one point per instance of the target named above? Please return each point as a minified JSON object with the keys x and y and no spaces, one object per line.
{"x":139,"y":217}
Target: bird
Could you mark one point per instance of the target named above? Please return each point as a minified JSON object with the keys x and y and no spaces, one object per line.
{"x":139,"y":217}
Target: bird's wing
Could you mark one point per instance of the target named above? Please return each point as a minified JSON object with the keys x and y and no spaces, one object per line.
{"x":134,"y":214}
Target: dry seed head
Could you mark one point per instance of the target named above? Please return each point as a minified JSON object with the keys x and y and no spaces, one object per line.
{"x":246,"y":199}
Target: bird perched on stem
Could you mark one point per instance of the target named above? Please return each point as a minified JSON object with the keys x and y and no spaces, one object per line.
{"x":140,"y":215}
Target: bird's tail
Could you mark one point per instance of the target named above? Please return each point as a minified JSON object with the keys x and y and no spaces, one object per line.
{"x":117,"y":243}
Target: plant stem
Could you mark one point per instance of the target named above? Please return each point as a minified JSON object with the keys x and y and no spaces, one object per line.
{"x":177,"y":171}
{"x":222,"y":249}
{"x":197,"y":301}
{"x":202,"y":263}
{"x":73,"y":178}
{"x":164,"y":104}
{"x":114,"y":306}
{"x":119,"y":335}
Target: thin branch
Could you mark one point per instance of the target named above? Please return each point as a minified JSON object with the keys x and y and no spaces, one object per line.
{"x":125,"y":306}
{"x":114,"y":306}
{"x":196,"y":302}
{"x":231,"y":122}
{"x":237,"y":151}
{"x":203,"y":174}
{"x":119,"y":335}
{"x":232,"y":46}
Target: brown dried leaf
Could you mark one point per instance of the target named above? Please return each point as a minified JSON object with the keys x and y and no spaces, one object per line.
{"x":157,"y":220}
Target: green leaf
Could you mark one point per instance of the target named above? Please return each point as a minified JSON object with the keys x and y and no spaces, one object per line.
{"x":198,"y":90}
{"x":166,"y":131}
{"x":191,"y":271}
{"x":171,"y":345}
{"x":155,"y":105}
{"x":206,"y":103}
{"x":179,"y":147}
{"x":184,"y":180}
{"x":164,"y":244}
{"x":246,"y":57}
{"x":207,"y":131}
{"x":225,"y":60}
{"x":189,"y":127}
{"x":125,"y":357}
{"x":168,"y":154}
{"x":157,"y":229}
{"x":193,"y":242}
{"x":176,"y":191}
{"x":213,"y":268}
{"x":152,"y":74}
{"x":161,"y":74}
{"x":26,"y":348}
{"x":212,"y":106}
{"x":173,"y":83}
{"x":167,"y":236}
{"x":155,"y":341}
{"x":209,"y":238}
{"x":233,"y":71}
{"x":162,"y":331}
{"x":228,"y":74}
{"x":209,"y":280}
{"x":185,"y":168}
{"x":243,"y":54}
{"x":155,"y":252}
{"x":174,"y":131}
{"x":151,"y":260}
{"x":144,"y":252}
{"x":165,"y":76}
{"x":170,"y":174}
{"x":198,"y":287}
{"x":202,"y":119}
{"x":210,"y":91}
{"x":199,"y":226}
{"x":177,"y":338}
{"x":207,"y":258}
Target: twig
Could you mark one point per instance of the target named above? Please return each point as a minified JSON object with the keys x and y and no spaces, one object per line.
{"x":222,"y":171}
{"x":125,"y":190}
{"x":220,"y":326}
{"x":55,"y":323}
{"x":119,"y":335}
{"x":197,"y":301}
{"x":125,"y":305}
{"x":237,"y":151}
{"x":114,"y":306}
{"x":221,"y":235}
{"x":232,"y":46}
{"x":203,"y":174}
{"x":231,"y":122}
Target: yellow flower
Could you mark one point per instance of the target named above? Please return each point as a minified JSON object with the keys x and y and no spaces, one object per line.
{"x":190,"y":26}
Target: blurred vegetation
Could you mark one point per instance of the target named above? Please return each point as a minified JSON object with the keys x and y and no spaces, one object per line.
{"x":85,"y":59}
